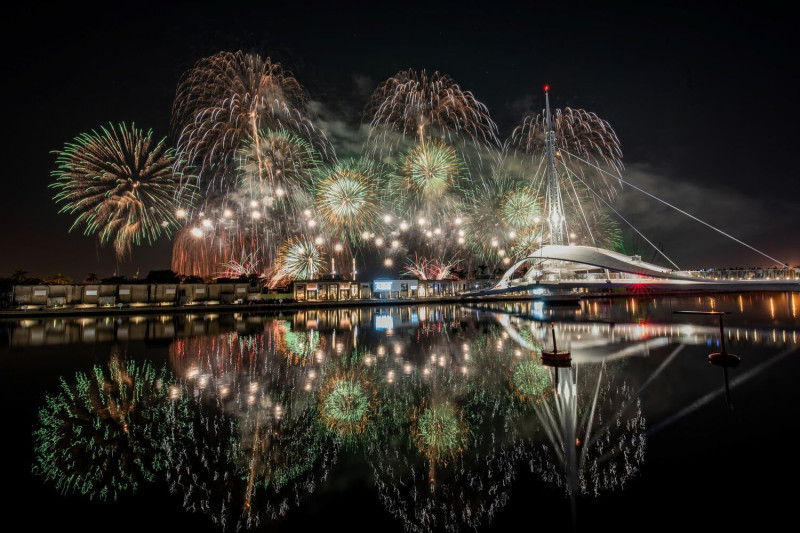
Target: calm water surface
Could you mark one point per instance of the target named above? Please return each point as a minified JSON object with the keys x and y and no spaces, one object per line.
{"x":406,"y":418}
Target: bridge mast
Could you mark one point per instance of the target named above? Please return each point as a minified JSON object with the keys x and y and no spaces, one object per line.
{"x":555,"y":207}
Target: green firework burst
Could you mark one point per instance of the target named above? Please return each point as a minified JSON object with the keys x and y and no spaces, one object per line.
{"x":300,"y":346}
{"x":225,"y":98}
{"x":440,"y":433}
{"x":120,"y":184}
{"x":106,"y":433}
{"x":431,"y":169}
{"x":522,"y":210}
{"x":345,"y":405}
{"x":530,"y":379}
{"x":300,"y":258}
{"x":347,"y":198}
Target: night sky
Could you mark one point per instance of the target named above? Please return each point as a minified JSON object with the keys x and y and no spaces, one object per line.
{"x":703,"y":100}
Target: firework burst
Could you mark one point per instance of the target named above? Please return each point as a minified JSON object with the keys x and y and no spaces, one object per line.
{"x":500,"y":212}
{"x":530,"y":379}
{"x":424,"y":201}
{"x":346,"y":404}
{"x":119,"y":183}
{"x":411,"y":102}
{"x":521,"y":209}
{"x":578,"y":132}
{"x":422,"y":268}
{"x":225,"y":240}
{"x":585,"y":146}
{"x":301,"y":258}
{"x":347,"y":198}
{"x":440,"y":432}
{"x":277,"y":166}
{"x":300,"y":346}
{"x":429,"y":172}
{"x":591,"y":222}
{"x":229,"y":96}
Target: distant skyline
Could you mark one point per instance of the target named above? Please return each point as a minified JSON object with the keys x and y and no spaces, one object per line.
{"x":701,"y":98}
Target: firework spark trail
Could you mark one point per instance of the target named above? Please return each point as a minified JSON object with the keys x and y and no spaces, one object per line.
{"x":277,"y":166}
{"x":242,"y":229}
{"x":121,"y":185}
{"x":227,"y":97}
{"x":409,"y":102}
{"x":426,"y":190}
{"x":583,"y":132}
{"x":577,"y":131}
{"x":430,"y":269}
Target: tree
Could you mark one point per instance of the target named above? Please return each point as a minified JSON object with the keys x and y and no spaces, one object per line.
{"x":58,"y":279}
{"x":91,"y":277}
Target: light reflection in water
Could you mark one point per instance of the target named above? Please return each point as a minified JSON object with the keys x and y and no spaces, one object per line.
{"x":256,"y":411}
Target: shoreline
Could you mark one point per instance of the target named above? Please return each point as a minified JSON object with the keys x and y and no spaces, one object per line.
{"x":262,"y":307}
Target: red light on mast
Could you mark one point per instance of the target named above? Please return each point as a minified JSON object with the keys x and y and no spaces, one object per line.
{"x":547,"y":88}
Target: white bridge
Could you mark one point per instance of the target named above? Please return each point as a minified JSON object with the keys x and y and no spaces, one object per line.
{"x":571,"y":267}
{"x":559,"y":268}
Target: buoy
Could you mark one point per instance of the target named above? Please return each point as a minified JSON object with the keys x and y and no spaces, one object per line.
{"x":721,"y":358}
{"x":556,"y":357}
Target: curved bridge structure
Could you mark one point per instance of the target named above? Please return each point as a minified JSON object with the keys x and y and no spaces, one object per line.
{"x":561,"y":269}
{"x":573,"y":266}
{"x":574,"y":258}
{"x":559,"y":260}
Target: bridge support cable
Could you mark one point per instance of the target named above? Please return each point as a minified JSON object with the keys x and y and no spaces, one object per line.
{"x":782,"y":263}
{"x":600,"y":197}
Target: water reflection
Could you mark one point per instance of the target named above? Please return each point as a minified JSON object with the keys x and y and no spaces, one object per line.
{"x":445,"y":406}
{"x":753,"y":317}
{"x":105,"y":433}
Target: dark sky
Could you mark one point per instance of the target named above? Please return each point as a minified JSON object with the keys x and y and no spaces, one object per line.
{"x":702,"y":98}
